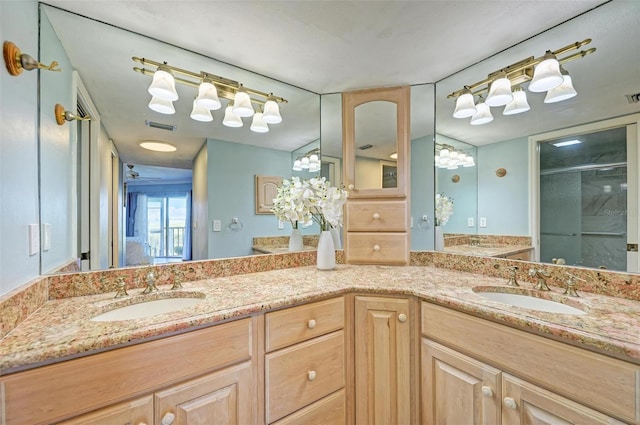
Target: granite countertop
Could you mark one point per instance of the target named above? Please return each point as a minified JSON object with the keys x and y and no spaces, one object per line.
{"x":61,"y":329}
{"x":488,"y":250}
{"x":278,"y":249}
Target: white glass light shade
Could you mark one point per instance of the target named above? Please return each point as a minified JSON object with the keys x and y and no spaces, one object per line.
{"x":518,"y":105}
{"x":242,"y":104}
{"x":546,"y":75}
{"x":563,"y":92}
{"x":452,"y":166}
{"x":465,"y":106}
{"x":314,"y":160}
{"x":483,"y":115}
{"x":499,"y":92}
{"x":163,"y":85}
{"x":199,"y":113}
{"x":162,"y":106}
{"x":444,"y":153}
{"x":258,"y":125}
{"x":468,"y":162}
{"x":436,"y":160}
{"x":231,"y":119}
{"x":208,"y":97}
{"x":443,"y":163}
{"x":304,"y":163}
{"x":271,"y":113}
{"x":297,"y":165}
{"x":314,"y":168}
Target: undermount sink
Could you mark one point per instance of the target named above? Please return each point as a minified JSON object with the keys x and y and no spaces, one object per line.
{"x":147,"y":309}
{"x":530,"y":302}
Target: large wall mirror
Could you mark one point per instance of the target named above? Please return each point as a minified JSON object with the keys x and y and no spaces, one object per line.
{"x":512,"y":195}
{"x":104,"y":195}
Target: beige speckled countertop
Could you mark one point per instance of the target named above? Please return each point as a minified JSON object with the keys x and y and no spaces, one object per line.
{"x":488,"y":250}
{"x":61,"y":328}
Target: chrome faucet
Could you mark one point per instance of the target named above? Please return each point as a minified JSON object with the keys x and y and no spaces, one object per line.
{"x":151,"y":284}
{"x":542,"y":279}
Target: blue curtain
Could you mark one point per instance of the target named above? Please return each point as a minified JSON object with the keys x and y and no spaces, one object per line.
{"x":132,"y":205}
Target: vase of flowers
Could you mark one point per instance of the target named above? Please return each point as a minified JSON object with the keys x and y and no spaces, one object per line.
{"x":444,"y":210}
{"x":295,"y":240}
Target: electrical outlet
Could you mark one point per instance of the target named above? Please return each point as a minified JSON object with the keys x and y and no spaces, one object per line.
{"x":470,"y":222}
{"x":217,"y":225}
{"x":483,"y":221}
{"x":34,"y":239}
{"x":280,"y":224}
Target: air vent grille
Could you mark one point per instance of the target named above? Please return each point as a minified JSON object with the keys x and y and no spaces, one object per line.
{"x":365,"y":147}
{"x":168,"y":127}
{"x":633,"y":98}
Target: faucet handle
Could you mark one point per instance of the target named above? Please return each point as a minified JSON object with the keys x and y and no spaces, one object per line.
{"x":512,"y":279}
{"x":121,"y":286}
{"x":571,"y":285}
{"x":151,"y":284}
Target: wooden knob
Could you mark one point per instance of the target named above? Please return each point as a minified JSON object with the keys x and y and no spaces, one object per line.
{"x":402,"y":317}
{"x":376,"y":247}
{"x":487,"y":391}
{"x":168,"y":418}
{"x":311,"y":375}
{"x":311,"y":324}
{"x":510,"y":403}
{"x":376,"y":216}
{"x":351,"y":187}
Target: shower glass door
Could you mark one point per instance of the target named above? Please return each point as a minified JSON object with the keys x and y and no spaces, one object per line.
{"x":583,"y":199}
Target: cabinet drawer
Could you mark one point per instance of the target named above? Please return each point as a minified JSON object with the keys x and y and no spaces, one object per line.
{"x":377,"y":248}
{"x":297,"y":324}
{"x":129,"y":412}
{"x":301,"y":374}
{"x":329,"y":410}
{"x":376,"y":216}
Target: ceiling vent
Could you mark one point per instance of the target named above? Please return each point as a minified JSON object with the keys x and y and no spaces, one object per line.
{"x":633,"y":98}
{"x":161,"y":126}
{"x":365,"y":147}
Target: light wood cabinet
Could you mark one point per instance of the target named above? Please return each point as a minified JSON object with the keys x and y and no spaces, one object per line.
{"x":377,"y":218}
{"x":382,"y":361}
{"x":549,"y":382}
{"x":134,"y":412}
{"x":304,"y":365}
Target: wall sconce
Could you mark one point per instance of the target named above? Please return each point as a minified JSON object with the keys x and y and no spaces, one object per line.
{"x":448,"y":157}
{"x":503,"y":87}
{"x":211,"y":88}
{"x":62,"y":115}
{"x":310,"y":161}
{"x":16,"y":61}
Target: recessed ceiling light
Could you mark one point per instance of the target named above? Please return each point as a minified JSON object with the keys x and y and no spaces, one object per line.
{"x":157,"y":146}
{"x":566,"y":143}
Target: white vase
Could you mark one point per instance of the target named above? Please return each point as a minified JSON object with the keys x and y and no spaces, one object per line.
{"x":326,"y":253}
{"x":335,"y":233}
{"x":439,"y":238}
{"x":295,"y":241}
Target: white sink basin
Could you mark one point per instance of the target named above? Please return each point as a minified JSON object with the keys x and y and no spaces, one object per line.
{"x":529,"y":302}
{"x":146,"y":309}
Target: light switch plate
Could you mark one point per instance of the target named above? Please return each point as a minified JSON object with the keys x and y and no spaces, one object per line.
{"x":34,"y":239}
{"x":46,"y":236}
{"x":470,"y":222}
{"x":217,"y":225}
{"x":483,"y":221}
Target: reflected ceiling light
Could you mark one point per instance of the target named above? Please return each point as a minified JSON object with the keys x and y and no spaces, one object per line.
{"x":567,"y":143}
{"x":163,"y":85}
{"x":162,"y":106}
{"x":394,"y":155}
{"x":231,"y":119}
{"x":542,"y":74}
{"x":258,"y":125}
{"x":499,"y":91}
{"x":546,"y":75}
{"x":157,"y":146}
{"x":465,"y":105}
{"x":314,"y":163}
{"x":211,"y":89}
{"x":450,"y":158}
{"x":310,"y":161}
{"x":199,"y":113}
{"x":297,"y":165}
{"x":242,"y":104}
{"x":208,"y":96}
{"x":271,"y":112}
{"x":519,"y":103}
{"x":562,"y":92}
{"x":483,"y":115}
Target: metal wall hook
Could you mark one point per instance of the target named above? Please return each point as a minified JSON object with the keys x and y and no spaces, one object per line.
{"x":62,"y":115}
{"x":16,"y":61}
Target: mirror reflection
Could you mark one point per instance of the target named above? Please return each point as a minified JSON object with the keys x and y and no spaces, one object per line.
{"x":511,"y":200}
{"x":108,"y":200}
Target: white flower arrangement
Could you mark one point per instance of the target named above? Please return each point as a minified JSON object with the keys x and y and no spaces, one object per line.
{"x":444,"y":209}
{"x":305,"y":201}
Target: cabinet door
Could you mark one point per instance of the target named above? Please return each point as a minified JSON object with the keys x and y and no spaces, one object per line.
{"x":382,"y":361}
{"x":457,"y":389}
{"x":526,"y":404}
{"x":133,"y":412}
{"x":224,"y":397}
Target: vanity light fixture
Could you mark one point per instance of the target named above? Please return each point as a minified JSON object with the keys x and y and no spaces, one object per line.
{"x":310,"y":161}
{"x":16,"y":61}
{"x":502,"y":87}
{"x":211,"y":89}
{"x":450,"y":158}
{"x":63,"y":116}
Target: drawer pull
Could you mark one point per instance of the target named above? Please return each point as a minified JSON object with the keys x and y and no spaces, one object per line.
{"x":311,"y":323}
{"x":487,"y":391}
{"x":510,"y":403}
{"x":311,"y":375}
{"x":376,"y":247}
{"x":402,"y":317}
{"x":351,"y":187}
{"x":376,"y":216}
{"x":168,"y":418}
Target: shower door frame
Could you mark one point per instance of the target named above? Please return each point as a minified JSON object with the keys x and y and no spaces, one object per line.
{"x":632,"y":123}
